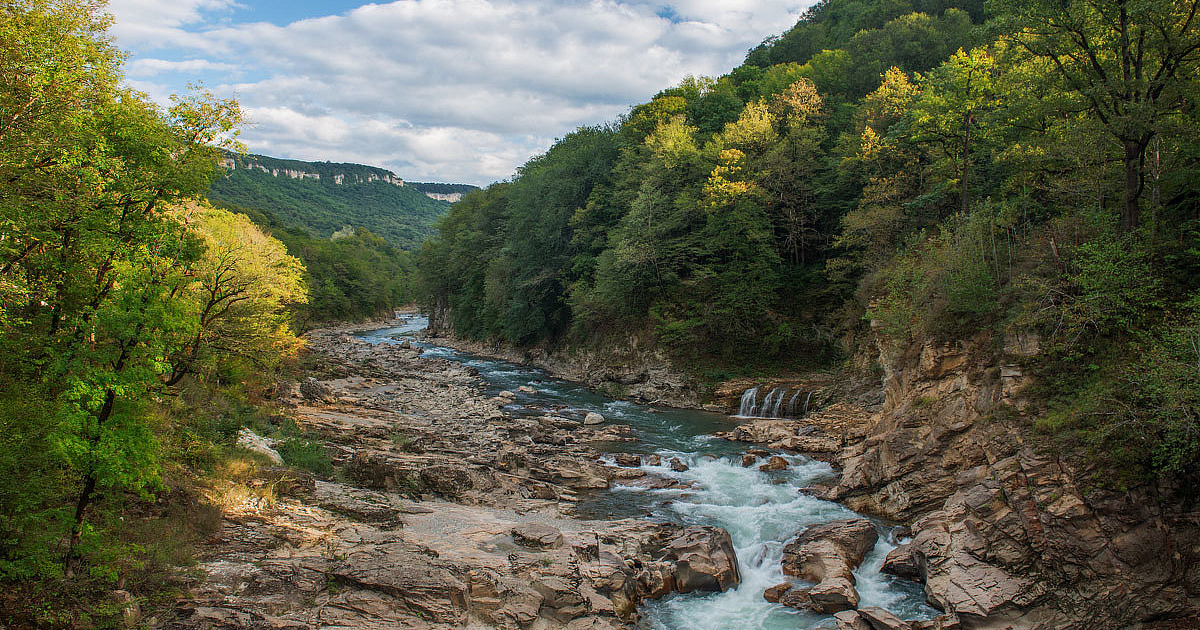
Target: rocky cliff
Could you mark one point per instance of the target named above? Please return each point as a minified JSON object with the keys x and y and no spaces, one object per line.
{"x":1007,"y":533}
{"x":626,"y":368}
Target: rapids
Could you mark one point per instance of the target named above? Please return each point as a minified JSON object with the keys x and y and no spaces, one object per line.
{"x":761,"y":510}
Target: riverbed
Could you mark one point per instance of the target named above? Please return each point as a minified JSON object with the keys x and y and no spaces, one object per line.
{"x":761,"y":510}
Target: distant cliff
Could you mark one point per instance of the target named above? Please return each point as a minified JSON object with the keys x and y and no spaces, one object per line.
{"x":324,"y":197}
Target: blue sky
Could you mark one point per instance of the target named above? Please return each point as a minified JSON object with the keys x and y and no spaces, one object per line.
{"x":435,"y":90}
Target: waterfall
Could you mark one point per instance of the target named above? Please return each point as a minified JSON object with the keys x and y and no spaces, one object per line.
{"x":806,"y":399}
{"x":747,"y":407}
{"x":778,"y":402}
{"x":772,"y":405}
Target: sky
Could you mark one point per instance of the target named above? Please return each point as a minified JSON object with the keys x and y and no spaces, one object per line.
{"x":434,"y":90}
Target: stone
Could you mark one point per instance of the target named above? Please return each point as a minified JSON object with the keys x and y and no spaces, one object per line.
{"x":653,"y":460}
{"x":880,"y":619}
{"x":315,"y":392}
{"x":537,"y":536}
{"x":748,"y":460}
{"x":507,"y":395}
{"x":593,"y":418}
{"x":704,"y":559}
{"x":627,"y":460}
{"x":525,"y":389}
{"x":901,"y":562}
{"x":833,"y":594}
{"x":774,"y":593}
{"x":850,"y":620}
{"x":775,"y":462}
{"x":827,"y":554}
{"x":677,"y":465}
{"x":252,"y":441}
{"x":797,"y":598}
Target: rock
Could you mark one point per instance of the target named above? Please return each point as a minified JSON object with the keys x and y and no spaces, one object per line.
{"x":252,"y":441}
{"x":704,"y":559}
{"x":525,"y":389}
{"x":406,"y":574}
{"x":593,"y":418}
{"x":827,"y":554}
{"x":677,"y":465}
{"x":315,"y":392}
{"x":850,"y":620}
{"x":507,"y":395}
{"x":775,"y":462}
{"x":653,"y":460}
{"x":901,"y":562}
{"x":627,"y":460}
{"x":880,"y":619}
{"x":833,"y":594}
{"x":774,"y":593}
{"x":748,"y":460}
{"x":948,"y":621}
{"x":131,"y":612}
{"x":797,"y":598}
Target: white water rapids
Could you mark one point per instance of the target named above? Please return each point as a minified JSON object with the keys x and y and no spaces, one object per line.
{"x":761,"y":510}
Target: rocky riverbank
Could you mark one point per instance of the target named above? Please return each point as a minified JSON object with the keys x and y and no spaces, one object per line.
{"x":1006,"y":533}
{"x":629,"y":370}
{"x":444,"y":510}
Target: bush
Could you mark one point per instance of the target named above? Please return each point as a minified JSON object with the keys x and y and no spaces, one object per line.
{"x":307,"y":455}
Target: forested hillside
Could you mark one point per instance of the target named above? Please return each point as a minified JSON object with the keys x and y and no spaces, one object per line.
{"x":885,"y":172}
{"x":343,"y":195}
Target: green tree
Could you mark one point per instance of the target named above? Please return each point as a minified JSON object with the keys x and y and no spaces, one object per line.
{"x":1130,"y":63}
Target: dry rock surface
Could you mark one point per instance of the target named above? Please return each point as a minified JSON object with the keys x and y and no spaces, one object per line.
{"x":452,"y":514}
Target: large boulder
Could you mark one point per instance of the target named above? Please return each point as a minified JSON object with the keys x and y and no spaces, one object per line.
{"x":827,"y":554}
{"x":704,"y":559}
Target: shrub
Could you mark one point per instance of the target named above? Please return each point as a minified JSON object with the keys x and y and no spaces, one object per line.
{"x":310,"y":456}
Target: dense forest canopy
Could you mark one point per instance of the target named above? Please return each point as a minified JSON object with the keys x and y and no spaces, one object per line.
{"x":362,"y":197}
{"x":891,"y":171}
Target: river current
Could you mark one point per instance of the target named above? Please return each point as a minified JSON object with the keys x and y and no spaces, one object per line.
{"x":761,"y":510}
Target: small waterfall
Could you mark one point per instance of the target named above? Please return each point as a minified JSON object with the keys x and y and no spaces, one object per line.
{"x":747,"y":407}
{"x":773,"y":405}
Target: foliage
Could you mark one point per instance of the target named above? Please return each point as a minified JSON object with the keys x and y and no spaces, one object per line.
{"x":922,"y":166}
{"x":306,"y":454}
{"x":117,"y":286}
{"x":364,"y":198}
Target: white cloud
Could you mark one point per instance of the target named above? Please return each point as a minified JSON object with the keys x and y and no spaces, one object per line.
{"x":456,"y":89}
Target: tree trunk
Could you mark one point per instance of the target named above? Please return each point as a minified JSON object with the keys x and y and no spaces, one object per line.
{"x":963,"y":199}
{"x":1130,"y":211}
{"x":89,"y":488}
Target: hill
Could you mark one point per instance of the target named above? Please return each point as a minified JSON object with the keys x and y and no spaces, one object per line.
{"x":324,"y":197}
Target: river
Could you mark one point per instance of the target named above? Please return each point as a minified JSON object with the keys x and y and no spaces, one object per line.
{"x":761,"y":510}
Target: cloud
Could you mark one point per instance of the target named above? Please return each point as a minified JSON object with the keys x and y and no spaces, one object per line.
{"x":152,"y":67}
{"x":463,"y":89}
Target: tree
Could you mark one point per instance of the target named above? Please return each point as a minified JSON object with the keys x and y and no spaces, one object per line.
{"x":87,"y":171}
{"x":950,"y":114}
{"x":1130,"y":62}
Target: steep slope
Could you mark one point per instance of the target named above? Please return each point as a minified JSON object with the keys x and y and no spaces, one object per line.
{"x":324,"y":197}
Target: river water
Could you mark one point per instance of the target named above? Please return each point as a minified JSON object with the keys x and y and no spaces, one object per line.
{"x":761,"y":510}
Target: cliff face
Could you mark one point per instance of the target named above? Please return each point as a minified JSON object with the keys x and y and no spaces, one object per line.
{"x":1007,"y":533}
